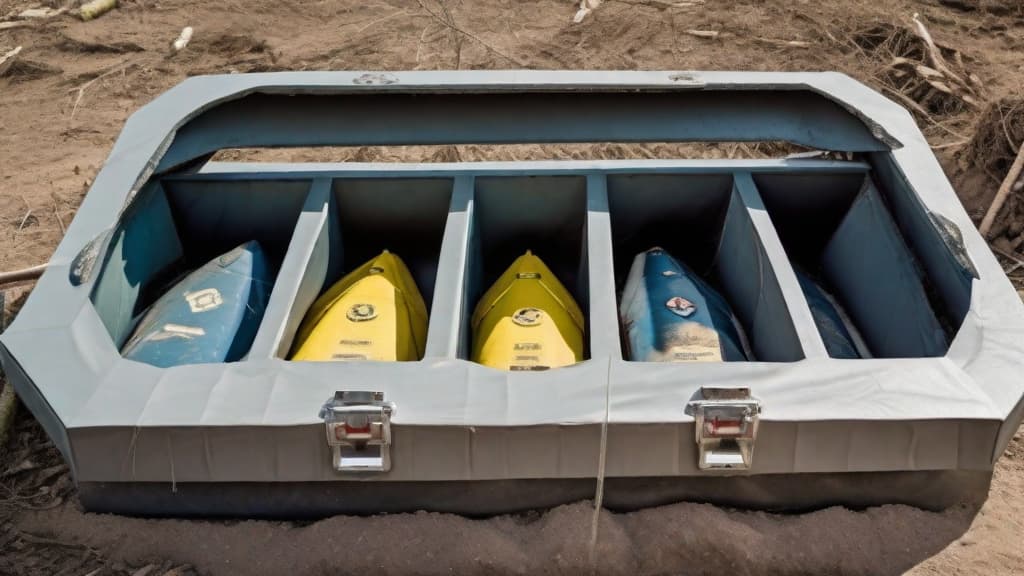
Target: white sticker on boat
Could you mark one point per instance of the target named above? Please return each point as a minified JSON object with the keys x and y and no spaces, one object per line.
{"x":681,"y":306}
{"x":361,"y":312}
{"x":203,"y":300}
{"x":528,"y":316}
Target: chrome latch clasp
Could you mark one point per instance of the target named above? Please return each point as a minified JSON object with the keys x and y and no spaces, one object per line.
{"x":359,"y":431}
{"x":726,"y":428}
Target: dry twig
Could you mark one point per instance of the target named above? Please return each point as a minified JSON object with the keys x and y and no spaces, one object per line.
{"x":470,"y":35}
{"x":22,"y":274}
{"x":7,"y":59}
{"x":663,"y":4}
{"x":708,"y":34}
{"x":789,"y":43}
{"x":60,"y":221}
{"x":1002,"y":193}
{"x":81,"y":89}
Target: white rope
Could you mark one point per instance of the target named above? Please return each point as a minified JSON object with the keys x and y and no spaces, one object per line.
{"x":599,"y":493}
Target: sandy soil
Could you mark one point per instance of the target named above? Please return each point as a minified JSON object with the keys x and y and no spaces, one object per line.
{"x":64,"y":101}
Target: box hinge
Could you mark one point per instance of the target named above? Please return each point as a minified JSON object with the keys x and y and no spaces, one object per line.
{"x":726,"y":428}
{"x":359,"y":431}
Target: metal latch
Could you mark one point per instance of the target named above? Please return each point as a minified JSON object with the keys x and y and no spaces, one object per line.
{"x":726,"y":427}
{"x":359,"y":431}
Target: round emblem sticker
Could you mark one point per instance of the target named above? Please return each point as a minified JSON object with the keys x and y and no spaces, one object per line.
{"x":528,"y":316}
{"x":361,"y":312}
{"x":681,"y":306}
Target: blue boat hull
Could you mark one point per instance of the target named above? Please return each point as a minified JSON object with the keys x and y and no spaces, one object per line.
{"x":670,"y":315}
{"x":837,"y":338}
{"x":209,"y":316}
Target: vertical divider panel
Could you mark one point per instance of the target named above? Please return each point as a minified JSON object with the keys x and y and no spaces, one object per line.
{"x":447,"y":313}
{"x":305,"y":267}
{"x":604,"y":311}
{"x":799,"y":311}
{"x":876,"y":276}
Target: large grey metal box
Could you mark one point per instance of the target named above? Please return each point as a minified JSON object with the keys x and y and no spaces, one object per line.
{"x":921,"y":422}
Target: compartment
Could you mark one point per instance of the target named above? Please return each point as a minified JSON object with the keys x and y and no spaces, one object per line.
{"x":838,"y":230}
{"x":510,"y":215}
{"x":702,"y":222}
{"x":406,"y":216}
{"x":365,"y":216}
{"x":175,"y":227}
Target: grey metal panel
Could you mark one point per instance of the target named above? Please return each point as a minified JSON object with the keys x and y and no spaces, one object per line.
{"x":450,"y":313}
{"x":36,"y":402}
{"x":888,"y":304}
{"x":604,"y":322}
{"x":813,"y":389}
{"x":806,"y":333}
{"x":259,"y":453}
{"x":301,"y":277}
{"x":291,"y":170}
{"x":524,"y":116}
{"x":749,"y":278}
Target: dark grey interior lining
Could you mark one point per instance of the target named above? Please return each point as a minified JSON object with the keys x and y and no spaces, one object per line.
{"x":696,"y":217}
{"x":840,"y":230}
{"x":213,"y":217}
{"x":179,"y":226}
{"x":406,"y":216}
{"x":950,"y":279}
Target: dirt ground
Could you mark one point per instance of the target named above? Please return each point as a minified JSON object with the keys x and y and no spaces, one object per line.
{"x":65,"y":97}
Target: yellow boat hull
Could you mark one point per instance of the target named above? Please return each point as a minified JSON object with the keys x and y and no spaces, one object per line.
{"x":527,"y":320}
{"x":375,"y":312}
